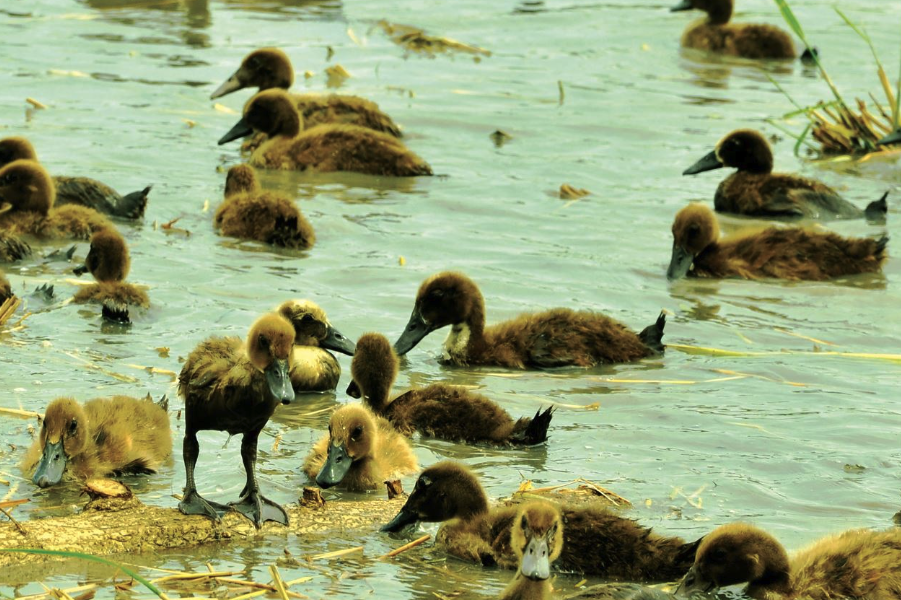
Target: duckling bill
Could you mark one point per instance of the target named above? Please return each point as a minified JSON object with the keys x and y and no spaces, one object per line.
{"x":314,"y":368}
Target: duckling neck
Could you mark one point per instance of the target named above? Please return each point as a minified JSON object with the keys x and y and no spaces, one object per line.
{"x":719,"y":13}
{"x":467,"y":339}
{"x":773,"y":582}
{"x":289,"y":125}
{"x":523,"y":588}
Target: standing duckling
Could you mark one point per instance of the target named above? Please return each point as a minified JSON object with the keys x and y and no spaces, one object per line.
{"x":108,"y":436}
{"x":360,"y":452}
{"x":553,"y":338}
{"x":323,"y":148}
{"x":536,"y":536}
{"x":313,"y":367}
{"x":790,"y":253}
{"x":748,"y":40}
{"x":80,"y":190}
{"x":857,"y":564}
{"x":250,"y":213}
{"x":443,"y":411}
{"x":108,"y":261}
{"x":756,"y":191}
{"x":235,"y":387}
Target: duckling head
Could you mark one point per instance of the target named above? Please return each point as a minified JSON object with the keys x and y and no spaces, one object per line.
{"x":64,"y":435}
{"x":241,"y":178}
{"x":694,"y":229}
{"x":444,"y":299}
{"x":743,"y":149}
{"x":269,"y":347}
{"x":373,"y":369}
{"x":16,"y":148}
{"x":446,"y":490}
{"x":264,"y":68}
{"x":718,"y":11}
{"x":272,"y":112}
{"x":312,"y":327}
{"x":352,"y":433}
{"x":737,"y":553}
{"x":108,"y":258}
{"x":26,"y":186}
{"x":537,"y":538}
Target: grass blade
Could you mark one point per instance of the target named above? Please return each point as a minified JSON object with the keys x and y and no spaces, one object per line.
{"x":883,"y":78}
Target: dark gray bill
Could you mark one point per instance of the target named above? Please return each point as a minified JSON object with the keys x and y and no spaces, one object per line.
{"x":240,"y":130}
{"x":708,"y":163}
{"x":400,"y":520}
{"x":232,"y":84}
{"x":80,"y":270}
{"x":416,"y":329}
{"x":679,"y":264}
{"x":892,"y":138}
{"x":336,"y":466}
{"x":535,"y":563}
{"x":279,"y":380}
{"x":52,"y":466}
{"x":693,"y":582}
{"x":334,"y":340}
{"x":684,"y":5}
{"x":353,"y":390}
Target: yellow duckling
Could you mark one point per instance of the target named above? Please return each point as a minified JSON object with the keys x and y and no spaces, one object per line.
{"x":536,"y":537}
{"x":314,"y":368}
{"x":6,"y":291}
{"x":108,"y":261}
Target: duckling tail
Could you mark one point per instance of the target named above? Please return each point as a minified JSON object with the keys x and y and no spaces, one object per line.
{"x":881,"y":243}
{"x":876,"y":210}
{"x":535,"y":430}
{"x":164,"y":402}
{"x":810,"y":56}
{"x":115,"y":314}
{"x":133,"y":205}
{"x":652,"y":335}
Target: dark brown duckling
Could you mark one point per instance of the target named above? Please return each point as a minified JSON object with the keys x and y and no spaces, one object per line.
{"x":234,"y":386}
{"x":856,"y":564}
{"x":27,"y":195}
{"x":12,"y":247}
{"x":322,"y":148}
{"x":80,"y":190}
{"x":313,"y":367}
{"x":109,"y":262}
{"x":108,"y":436}
{"x":536,"y":536}
{"x":790,"y":253}
{"x":756,"y":191}
{"x":747,"y":40}
{"x":250,"y":213}
{"x":553,"y":338}
{"x":360,"y":452}
{"x":595,"y":540}
{"x":442,"y":411}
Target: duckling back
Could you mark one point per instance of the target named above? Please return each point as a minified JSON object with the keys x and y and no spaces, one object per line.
{"x":132,"y":436}
{"x":754,"y":41}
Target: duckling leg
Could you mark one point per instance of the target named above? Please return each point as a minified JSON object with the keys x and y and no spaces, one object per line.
{"x":252,"y":504}
{"x":192,"y":503}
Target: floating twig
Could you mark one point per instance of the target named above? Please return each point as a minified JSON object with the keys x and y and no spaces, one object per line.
{"x":406,"y":547}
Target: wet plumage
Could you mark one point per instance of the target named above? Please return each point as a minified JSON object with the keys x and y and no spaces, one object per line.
{"x":109,"y":262}
{"x":313,"y":367}
{"x":6,"y":291}
{"x":747,"y":40}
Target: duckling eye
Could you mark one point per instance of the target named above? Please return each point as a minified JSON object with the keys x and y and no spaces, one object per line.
{"x":73,"y":427}
{"x":357,"y":433}
{"x":9,"y":179}
{"x":693,"y":230}
{"x":263,"y":342}
{"x":524,"y":524}
{"x":423,"y":482}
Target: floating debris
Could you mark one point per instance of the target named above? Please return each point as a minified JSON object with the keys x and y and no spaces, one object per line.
{"x":416,"y":40}
{"x":337,"y":75}
{"x":568,"y":192}
{"x":500,"y":137}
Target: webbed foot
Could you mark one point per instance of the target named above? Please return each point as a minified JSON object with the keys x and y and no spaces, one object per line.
{"x":194,"y":504}
{"x":258,"y":508}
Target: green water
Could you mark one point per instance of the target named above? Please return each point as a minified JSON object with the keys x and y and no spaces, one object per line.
{"x":635,"y":112}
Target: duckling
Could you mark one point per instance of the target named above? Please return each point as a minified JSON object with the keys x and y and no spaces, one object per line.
{"x":253,"y":214}
{"x":790,"y":253}
{"x":360,"y":452}
{"x":27,"y":195}
{"x":235,"y":387}
{"x":715,"y":34}
{"x":854,"y":564}
{"x":108,"y":436}
{"x":271,"y":68}
{"x":80,"y":190}
{"x":6,"y":291}
{"x":755,"y":190}
{"x":323,"y":148}
{"x":553,"y":338}
{"x":443,"y":411}
{"x":536,"y":536}
{"x":108,"y":261}
{"x":12,"y":248}
{"x":313,"y":368}
{"x":595,"y":540}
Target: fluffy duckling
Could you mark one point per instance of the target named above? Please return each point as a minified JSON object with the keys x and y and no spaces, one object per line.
{"x":715,"y":34}
{"x":755,"y":190}
{"x":536,"y":536}
{"x":314,"y":368}
{"x":855,"y":564}
{"x":360,"y":452}
{"x":250,"y":213}
{"x":109,"y":262}
{"x":235,"y":387}
{"x":6,"y":291}
{"x":80,"y":190}
{"x":27,"y":195}
{"x":443,"y":411}
{"x":783,"y":253}
{"x":595,"y":541}
{"x":268,"y":68}
{"x":12,"y":248}
{"x":553,"y":338}
{"x":323,"y":148}
{"x":108,"y":436}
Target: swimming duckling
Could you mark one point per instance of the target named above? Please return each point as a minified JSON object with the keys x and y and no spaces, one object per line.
{"x":536,"y":536}
{"x":553,"y":338}
{"x":235,"y":387}
{"x":595,"y":540}
{"x":755,"y":190}
{"x":443,"y":411}
{"x":6,"y":291}
{"x":747,"y":40}
{"x":27,"y":195}
{"x":313,"y":368}
{"x":271,"y":68}
{"x":80,"y":190}
{"x":360,"y":452}
{"x":323,"y":148}
{"x":108,"y":436}
{"x":108,"y":261}
{"x":790,"y":253}
{"x":854,"y":564}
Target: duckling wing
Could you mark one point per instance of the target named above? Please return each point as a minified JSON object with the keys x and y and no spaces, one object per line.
{"x":99,"y":196}
{"x":824,"y":205}
{"x":350,"y":110}
{"x":209,"y":366}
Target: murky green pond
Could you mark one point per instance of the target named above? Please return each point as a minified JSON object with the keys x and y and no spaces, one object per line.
{"x":804,"y":444}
